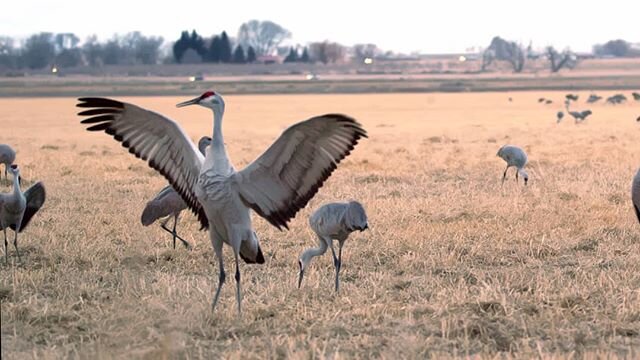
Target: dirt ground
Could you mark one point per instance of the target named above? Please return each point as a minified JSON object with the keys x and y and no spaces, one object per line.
{"x":454,"y":263}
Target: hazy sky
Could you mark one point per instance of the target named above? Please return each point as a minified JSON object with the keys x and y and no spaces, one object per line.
{"x":399,"y":25}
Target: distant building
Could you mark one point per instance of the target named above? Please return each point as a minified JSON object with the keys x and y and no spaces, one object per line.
{"x":269,"y":59}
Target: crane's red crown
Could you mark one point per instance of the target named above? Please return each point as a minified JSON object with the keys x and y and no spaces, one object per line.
{"x":207,"y":94}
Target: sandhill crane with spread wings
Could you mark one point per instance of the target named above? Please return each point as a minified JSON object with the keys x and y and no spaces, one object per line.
{"x":169,"y":204}
{"x":276,"y":185}
{"x":17,"y":209}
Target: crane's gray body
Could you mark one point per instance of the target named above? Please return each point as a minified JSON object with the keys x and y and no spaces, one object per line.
{"x":635,"y":194}
{"x":333,"y":221}
{"x":168,"y":202}
{"x":516,"y":157}
{"x":17,"y":208}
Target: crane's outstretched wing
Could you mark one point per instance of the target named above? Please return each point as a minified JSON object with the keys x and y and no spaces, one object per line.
{"x":35,"y":196}
{"x":285,"y":177}
{"x":153,"y":137}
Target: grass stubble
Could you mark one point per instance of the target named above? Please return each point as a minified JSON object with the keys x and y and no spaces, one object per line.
{"x":453,"y":265}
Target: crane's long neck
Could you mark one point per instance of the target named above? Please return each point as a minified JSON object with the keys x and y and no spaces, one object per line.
{"x":309,"y":254}
{"x":16,"y":184}
{"x":217,"y":153}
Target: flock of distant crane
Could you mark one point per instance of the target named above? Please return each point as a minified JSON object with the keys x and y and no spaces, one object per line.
{"x":277,"y":185}
{"x":580,"y":116}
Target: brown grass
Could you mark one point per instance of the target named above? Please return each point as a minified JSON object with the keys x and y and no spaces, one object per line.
{"x":454,"y":264}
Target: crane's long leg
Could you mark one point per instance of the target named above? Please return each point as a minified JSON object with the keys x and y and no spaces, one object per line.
{"x":517,"y":176}
{"x":15,"y":243}
{"x":336,"y":263}
{"x":175,"y":234}
{"x":238,"y":294}
{"x":217,"y":247}
{"x":504,"y":176}
{"x":6,"y":248}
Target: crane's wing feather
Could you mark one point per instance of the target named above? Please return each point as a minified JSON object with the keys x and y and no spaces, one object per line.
{"x":285,"y":177}
{"x":35,"y":196}
{"x":153,"y":137}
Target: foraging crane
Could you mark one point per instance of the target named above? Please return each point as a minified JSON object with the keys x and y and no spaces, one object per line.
{"x":635,"y":194}
{"x":593,"y":98}
{"x":334,"y":221}
{"x":578,"y":116}
{"x":559,"y":115}
{"x":17,"y":209}
{"x":168,"y":203}
{"x":636,"y":96}
{"x":616,"y":99}
{"x":541,"y":100}
{"x":571,"y":97}
{"x":276,"y":185}
{"x":7,"y":157}
{"x":514,"y":156}
{"x":547,"y":102}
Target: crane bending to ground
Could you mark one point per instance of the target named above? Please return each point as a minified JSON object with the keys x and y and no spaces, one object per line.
{"x":514,"y":156}
{"x":334,"y":221}
{"x":578,"y":116}
{"x":276,"y":185}
{"x":17,"y":209}
{"x":7,"y":157}
{"x":168,"y":203}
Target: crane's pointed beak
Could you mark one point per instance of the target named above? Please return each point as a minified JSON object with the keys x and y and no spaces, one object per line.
{"x":301,"y":274}
{"x":194,"y":101}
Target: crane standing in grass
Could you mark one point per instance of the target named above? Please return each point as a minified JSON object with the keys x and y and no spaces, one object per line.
{"x":334,"y":221}
{"x":17,"y":209}
{"x":168,"y":203}
{"x":514,"y":156}
{"x":276,"y":185}
{"x":635,"y":194}
{"x":559,"y":116}
{"x":7,"y":157}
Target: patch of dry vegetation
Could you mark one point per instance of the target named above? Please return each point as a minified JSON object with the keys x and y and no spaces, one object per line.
{"x":454,"y":264}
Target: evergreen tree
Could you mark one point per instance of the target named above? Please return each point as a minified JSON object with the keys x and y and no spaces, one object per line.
{"x":196,"y":42}
{"x":293,"y":55}
{"x":225,"y":48}
{"x":251,"y":55}
{"x":213,"y":54}
{"x":180,"y":46}
{"x":305,"y":56}
{"x":238,"y":55}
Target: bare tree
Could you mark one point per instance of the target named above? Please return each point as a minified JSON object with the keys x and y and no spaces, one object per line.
{"x":557,"y":61}
{"x":504,"y":50}
{"x":363,"y":51}
{"x":263,"y":36}
{"x":327,"y":52}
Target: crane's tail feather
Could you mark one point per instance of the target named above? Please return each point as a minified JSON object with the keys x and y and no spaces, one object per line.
{"x":250,"y":257}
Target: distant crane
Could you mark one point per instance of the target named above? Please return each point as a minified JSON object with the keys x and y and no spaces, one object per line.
{"x":17,"y":209}
{"x":541,"y":100}
{"x":276,"y":185}
{"x":593,"y":98}
{"x":571,"y":97}
{"x":334,"y":221}
{"x":636,"y":96}
{"x":7,"y":157}
{"x":516,"y":157}
{"x":616,"y":99}
{"x":168,"y":203}
{"x":578,"y":116}
{"x":559,"y":115}
{"x":547,"y":102}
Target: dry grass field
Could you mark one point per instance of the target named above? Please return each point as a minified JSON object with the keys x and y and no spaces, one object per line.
{"x":453,"y":265}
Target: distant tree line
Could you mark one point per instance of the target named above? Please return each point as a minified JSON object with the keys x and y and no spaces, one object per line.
{"x":48,"y":49}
